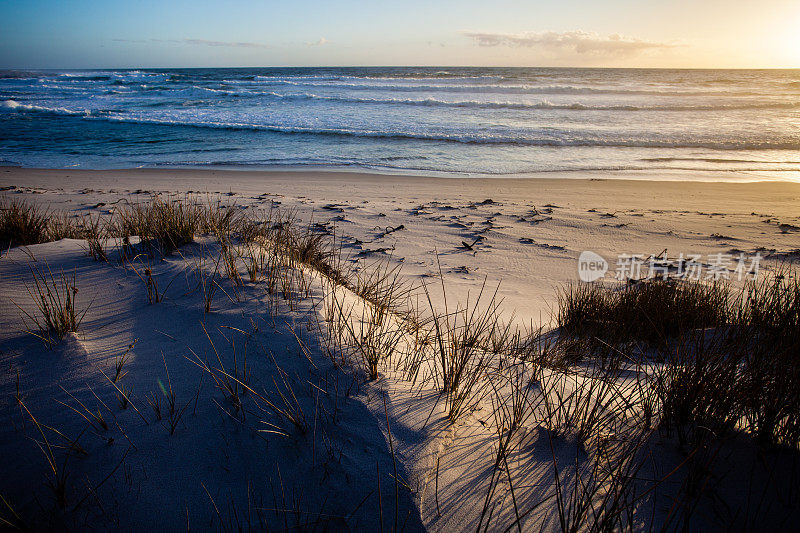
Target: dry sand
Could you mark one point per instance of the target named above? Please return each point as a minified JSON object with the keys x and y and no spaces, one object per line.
{"x":218,"y":470}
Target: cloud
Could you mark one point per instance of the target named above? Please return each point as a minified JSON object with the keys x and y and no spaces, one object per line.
{"x":205,"y":42}
{"x":200,"y":42}
{"x":581,"y":42}
{"x":321,"y":42}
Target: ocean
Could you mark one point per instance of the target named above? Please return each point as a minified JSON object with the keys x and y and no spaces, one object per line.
{"x":681,"y":124}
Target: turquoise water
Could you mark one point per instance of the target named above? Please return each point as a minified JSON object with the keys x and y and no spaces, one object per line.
{"x":496,"y":121}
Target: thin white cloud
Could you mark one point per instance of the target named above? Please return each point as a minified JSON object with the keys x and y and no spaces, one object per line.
{"x":197,"y":42}
{"x":321,"y":42}
{"x":581,"y":42}
{"x":205,"y":42}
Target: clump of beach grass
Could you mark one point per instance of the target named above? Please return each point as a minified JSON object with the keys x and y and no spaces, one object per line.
{"x":55,"y":299}
{"x":767,"y":327}
{"x":63,"y":225}
{"x":461,"y":359}
{"x":650,"y":310}
{"x":579,"y":405}
{"x":371,"y":335}
{"x":23,"y":223}
{"x":96,"y":234}
{"x":727,"y":361}
{"x":162,"y":224}
{"x":381,"y":284}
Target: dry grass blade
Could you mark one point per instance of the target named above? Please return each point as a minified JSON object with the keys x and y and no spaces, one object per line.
{"x":154,"y":294}
{"x":174,"y":411}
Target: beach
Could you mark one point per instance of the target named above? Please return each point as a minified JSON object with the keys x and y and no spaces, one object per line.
{"x":285,"y":366}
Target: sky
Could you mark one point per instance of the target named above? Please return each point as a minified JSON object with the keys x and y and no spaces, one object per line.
{"x":237,"y":33}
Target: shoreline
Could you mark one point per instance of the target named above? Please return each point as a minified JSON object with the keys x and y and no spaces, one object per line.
{"x":670,"y":175}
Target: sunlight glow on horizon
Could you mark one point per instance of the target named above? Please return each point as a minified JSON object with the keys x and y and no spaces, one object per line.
{"x":791,"y":37}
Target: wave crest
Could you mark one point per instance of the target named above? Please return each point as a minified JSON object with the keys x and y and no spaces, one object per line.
{"x":12,"y":106}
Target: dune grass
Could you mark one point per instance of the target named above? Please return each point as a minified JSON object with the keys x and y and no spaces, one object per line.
{"x":162,"y":224}
{"x":651,"y":310}
{"x":691,"y":360}
{"x":54,"y":296}
{"x":729,"y":359}
{"x":23,"y":223}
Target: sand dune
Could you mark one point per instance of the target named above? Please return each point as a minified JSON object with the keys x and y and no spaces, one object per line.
{"x":250,"y":415}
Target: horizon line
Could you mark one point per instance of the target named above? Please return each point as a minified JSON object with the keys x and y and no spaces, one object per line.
{"x":392,"y":66}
